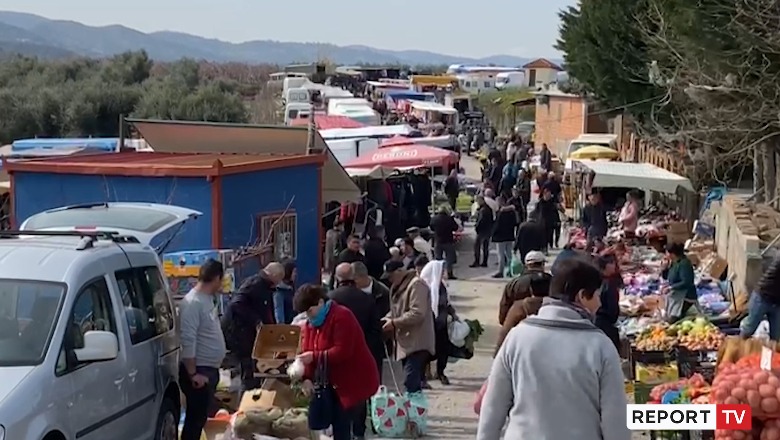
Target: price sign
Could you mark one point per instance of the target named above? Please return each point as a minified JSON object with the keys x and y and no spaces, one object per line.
{"x":766,"y":358}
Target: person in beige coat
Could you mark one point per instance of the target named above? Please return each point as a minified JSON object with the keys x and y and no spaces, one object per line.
{"x":410,"y":321}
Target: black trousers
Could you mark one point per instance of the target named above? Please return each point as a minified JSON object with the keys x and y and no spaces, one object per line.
{"x":198,"y":401}
{"x":453,"y":199}
{"x":481,"y":246}
{"x":550,"y":234}
{"x":360,"y":412}
{"x":556,"y":234}
{"x":442,"y":348}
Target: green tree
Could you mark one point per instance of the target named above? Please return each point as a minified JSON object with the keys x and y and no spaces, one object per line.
{"x":605,"y":53}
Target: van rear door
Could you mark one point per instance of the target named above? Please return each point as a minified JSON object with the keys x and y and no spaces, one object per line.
{"x":144,"y":221}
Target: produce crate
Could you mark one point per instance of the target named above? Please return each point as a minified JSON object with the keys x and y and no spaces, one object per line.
{"x":703,"y":362}
{"x":649,"y":358}
{"x":642,"y":393}
{"x":669,"y":435}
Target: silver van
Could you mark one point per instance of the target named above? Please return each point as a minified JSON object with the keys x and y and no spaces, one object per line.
{"x":89,"y":348}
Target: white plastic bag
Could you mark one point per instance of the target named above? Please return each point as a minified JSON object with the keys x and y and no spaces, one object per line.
{"x":458,"y":331}
{"x":296,"y":370}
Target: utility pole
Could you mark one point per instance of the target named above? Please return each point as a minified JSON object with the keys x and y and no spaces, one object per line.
{"x":314,"y":99}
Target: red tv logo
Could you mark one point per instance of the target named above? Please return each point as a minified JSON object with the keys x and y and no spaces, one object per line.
{"x":734,"y":417}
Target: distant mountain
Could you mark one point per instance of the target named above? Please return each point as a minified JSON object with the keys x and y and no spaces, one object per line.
{"x":35,"y":35}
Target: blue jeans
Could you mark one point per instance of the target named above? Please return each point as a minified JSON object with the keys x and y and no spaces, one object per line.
{"x":414,"y":370}
{"x":758,"y":309}
{"x":504,"y":249}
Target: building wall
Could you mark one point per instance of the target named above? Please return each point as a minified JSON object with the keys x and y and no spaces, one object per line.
{"x":246,"y":197}
{"x":36,"y":192}
{"x":559,"y":122}
{"x":543,"y":77}
{"x":737,"y":241}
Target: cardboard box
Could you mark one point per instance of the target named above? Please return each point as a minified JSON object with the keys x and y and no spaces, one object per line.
{"x":275,"y":348}
{"x":273,"y":393}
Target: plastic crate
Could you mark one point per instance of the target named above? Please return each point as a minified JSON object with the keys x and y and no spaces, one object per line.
{"x":649,"y":358}
{"x":642,"y":392}
{"x":669,"y":435}
{"x":703,"y":362}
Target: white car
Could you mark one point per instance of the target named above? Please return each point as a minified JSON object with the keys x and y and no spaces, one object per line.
{"x":88,"y":340}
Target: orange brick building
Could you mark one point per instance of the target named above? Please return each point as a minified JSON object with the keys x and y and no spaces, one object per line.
{"x":562,"y":117}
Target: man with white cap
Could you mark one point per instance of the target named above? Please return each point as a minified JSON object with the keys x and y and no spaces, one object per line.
{"x":519,"y":287}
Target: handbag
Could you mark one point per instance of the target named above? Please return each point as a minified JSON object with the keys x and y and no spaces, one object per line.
{"x":323,"y":399}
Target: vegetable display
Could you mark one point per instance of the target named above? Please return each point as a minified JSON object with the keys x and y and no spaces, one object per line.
{"x":681,"y":391}
{"x":695,"y":335}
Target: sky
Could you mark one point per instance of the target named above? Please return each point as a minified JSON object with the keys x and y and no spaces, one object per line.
{"x":526,"y":28}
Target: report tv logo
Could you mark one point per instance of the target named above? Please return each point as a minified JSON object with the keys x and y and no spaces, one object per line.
{"x":689,"y":417}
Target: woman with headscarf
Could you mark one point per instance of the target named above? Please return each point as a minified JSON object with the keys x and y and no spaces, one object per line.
{"x":283,"y":295}
{"x":433,"y":273}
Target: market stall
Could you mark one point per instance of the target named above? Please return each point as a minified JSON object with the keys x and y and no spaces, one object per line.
{"x":419,"y":156}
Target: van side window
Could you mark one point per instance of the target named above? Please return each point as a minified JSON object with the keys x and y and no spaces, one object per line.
{"x":92,"y":310}
{"x":148,"y":310}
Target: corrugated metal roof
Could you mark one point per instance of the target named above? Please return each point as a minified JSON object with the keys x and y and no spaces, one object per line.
{"x":328,"y":122}
{"x":161,"y":164}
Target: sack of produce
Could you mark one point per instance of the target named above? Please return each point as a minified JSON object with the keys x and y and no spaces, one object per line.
{"x":748,"y":385}
{"x":255,"y":421}
{"x":650,"y":373}
{"x":771,"y":430}
{"x":293,"y":423}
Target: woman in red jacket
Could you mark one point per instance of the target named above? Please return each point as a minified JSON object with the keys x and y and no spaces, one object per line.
{"x":333,"y":331}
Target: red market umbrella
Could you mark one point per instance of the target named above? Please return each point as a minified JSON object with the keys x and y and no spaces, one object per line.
{"x":327,"y":122}
{"x":405,"y":156}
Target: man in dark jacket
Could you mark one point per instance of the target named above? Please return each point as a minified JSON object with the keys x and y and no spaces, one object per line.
{"x":365,"y":310}
{"x":444,"y":228}
{"x":607,"y":315}
{"x":517,"y":201}
{"x":452,"y":189}
{"x":377,"y":252}
{"x":519,"y":287}
{"x":524,"y":186}
{"x":549,"y":209}
{"x":765,"y":303}
{"x":504,"y":235}
{"x":381,"y":296}
{"x":594,"y":219}
{"x":545,"y":158}
{"x":251,"y":306}
{"x":350,"y":254}
{"x":483,"y":227}
{"x":530,"y":236}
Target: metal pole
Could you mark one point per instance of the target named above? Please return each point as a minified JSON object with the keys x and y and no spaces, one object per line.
{"x":312,"y":128}
{"x":122,"y":134}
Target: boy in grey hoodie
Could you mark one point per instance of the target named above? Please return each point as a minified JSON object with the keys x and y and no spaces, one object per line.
{"x":557,"y":376}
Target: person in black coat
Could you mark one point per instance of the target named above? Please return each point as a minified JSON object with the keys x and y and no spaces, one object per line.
{"x":520,"y":207}
{"x":607,"y":314}
{"x":484,"y":228}
{"x":376,"y":252}
{"x":504,"y":235}
{"x":530,"y":236}
{"x":524,"y":186}
{"x":251,"y":305}
{"x":365,"y":310}
{"x":549,"y":208}
{"x":545,"y":158}
{"x":452,"y":189}
{"x":444,"y":227}
{"x":350,"y":254}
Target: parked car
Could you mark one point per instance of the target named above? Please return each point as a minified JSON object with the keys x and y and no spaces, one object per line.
{"x":89,"y":348}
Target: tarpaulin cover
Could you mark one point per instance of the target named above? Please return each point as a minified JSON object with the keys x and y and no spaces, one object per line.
{"x":405,"y":156}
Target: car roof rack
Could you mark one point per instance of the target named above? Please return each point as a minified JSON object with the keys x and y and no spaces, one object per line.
{"x":88,"y":237}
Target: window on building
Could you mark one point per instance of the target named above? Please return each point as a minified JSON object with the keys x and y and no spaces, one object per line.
{"x":487,"y":84}
{"x":148,"y":310}
{"x":279,"y":233}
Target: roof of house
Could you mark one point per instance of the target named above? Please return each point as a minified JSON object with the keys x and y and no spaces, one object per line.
{"x":327,"y":122}
{"x":542,"y":63}
{"x":212,"y":137}
{"x":155,"y":164}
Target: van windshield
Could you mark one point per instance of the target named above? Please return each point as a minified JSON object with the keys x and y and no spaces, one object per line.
{"x":28,"y":314}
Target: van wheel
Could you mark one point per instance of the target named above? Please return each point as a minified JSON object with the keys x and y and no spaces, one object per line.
{"x":167,"y":422}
